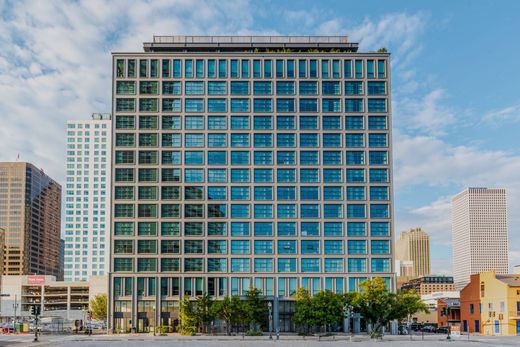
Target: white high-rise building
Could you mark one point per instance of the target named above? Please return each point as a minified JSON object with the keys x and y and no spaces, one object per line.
{"x":479,"y":226}
{"x":87,"y":197}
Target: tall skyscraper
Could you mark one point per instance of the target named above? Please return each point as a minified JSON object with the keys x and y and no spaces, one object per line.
{"x":479,"y":222}
{"x":87,"y":198}
{"x":414,"y":246}
{"x":30,"y":215}
{"x":247,"y":161}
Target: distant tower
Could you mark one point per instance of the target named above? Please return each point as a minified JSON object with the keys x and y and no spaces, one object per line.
{"x":414,"y":246}
{"x":479,"y":225}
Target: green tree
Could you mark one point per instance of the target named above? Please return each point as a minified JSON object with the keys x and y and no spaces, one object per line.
{"x":379,"y":306}
{"x":99,"y":307}
{"x":327,"y":308}
{"x":230,"y":310}
{"x":303,"y":315}
{"x":188,"y":318}
{"x":204,"y":312}
{"x":254,"y":307}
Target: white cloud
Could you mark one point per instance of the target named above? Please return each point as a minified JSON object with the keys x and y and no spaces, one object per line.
{"x":58,"y":65}
{"x":506,"y":114}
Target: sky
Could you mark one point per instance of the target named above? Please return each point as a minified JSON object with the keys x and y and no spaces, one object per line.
{"x":455,"y":83}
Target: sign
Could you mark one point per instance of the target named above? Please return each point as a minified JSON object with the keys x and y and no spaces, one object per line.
{"x":36,"y":279}
{"x":455,"y":330}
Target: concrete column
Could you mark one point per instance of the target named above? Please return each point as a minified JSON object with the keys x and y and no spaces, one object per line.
{"x":134,"y":303}
{"x":158,"y":295}
{"x":276,"y":314}
{"x":357,"y":323}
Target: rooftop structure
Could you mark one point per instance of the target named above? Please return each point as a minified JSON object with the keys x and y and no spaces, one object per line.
{"x":181,"y":43}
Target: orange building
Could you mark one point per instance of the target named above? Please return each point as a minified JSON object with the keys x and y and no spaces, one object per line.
{"x":448,"y":312}
{"x":470,"y":306}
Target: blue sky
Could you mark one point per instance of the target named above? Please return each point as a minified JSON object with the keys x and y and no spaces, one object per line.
{"x":455,"y":81}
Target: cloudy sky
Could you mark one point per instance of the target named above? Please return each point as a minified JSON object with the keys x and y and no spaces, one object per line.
{"x":456,"y":83}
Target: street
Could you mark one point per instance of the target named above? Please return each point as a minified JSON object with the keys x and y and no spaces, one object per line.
{"x":238,"y":341}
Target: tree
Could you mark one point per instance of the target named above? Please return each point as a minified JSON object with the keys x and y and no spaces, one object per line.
{"x":322,"y":310}
{"x":379,"y":306}
{"x":230,"y":310}
{"x":382,"y":50}
{"x":254,"y":307}
{"x":328,"y":308}
{"x":188,"y":319}
{"x":99,"y":307}
{"x":204,"y":312}
{"x":303,"y":315}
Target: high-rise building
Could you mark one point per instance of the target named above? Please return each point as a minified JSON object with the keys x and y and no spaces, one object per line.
{"x":247,"y":161}
{"x":479,"y":225}
{"x":87,"y":197}
{"x":414,"y":245}
{"x":30,"y":214}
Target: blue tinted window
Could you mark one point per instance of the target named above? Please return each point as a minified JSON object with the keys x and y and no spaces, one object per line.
{"x":240,"y":211}
{"x":188,"y":68}
{"x":325,"y":69}
{"x":380,"y":265}
{"x":331,"y":140}
{"x":240,"y":265}
{"x":286,"y":193}
{"x":286,"y":229}
{"x":331,"y":122}
{"x":378,"y":158}
{"x":285,"y":105}
{"x":285,"y":88}
{"x":256,"y":69}
{"x":355,"y":211}
{"x":193,"y":175}
{"x":239,"y":158}
{"x":217,"y":105}
{"x":263,"y":105}
{"x":194,"y":157}
{"x":245,"y":68}
{"x":176,"y":68}
{"x":378,"y":193}
{"x":309,"y":193}
{"x":354,"y":123}
{"x":263,"y":140}
{"x":194,"y":140}
{"x":285,"y":140}
{"x":379,"y":229}
{"x":359,"y":68}
{"x":286,"y":265}
{"x":285,"y":122}
{"x":279,"y":68}
{"x":376,"y":88}
{"x":217,"y":88}
{"x":217,"y":175}
{"x":264,"y":229}
{"x":379,"y":211}
{"x":234,"y":68}
{"x":194,"y":122}
{"x":286,"y":247}
{"x":263,"y":158}
{"x":356,"y":229}
{"x":331,"y":157}
{"x":263,"y":211}
{"x":308,"y":88}
{"x":239,"y":175}
{"x":380,"y":247}
{"x":240,"y":122}
{"x":263,"y":265}
{"x":239,"y":88}
{"x":353,"y":105}
{"x":217,"y":122}
{"x":357,"y":264}
{"x":239,"y":105}
{"x":332,"y":176}
{"x":263,"y":122}
{"x":263,"y":175}
{"x":378,"y":175}
{"x":309,"y":175}
{"x":239,"y":228}
{"x":355,"y":193}
{"x":194,"y":105}
{"x":268,"y":68}
{"x":309,"y":140}
{"x":194,"y":88}
{"x":217,"y":193}
{"x":376,"y":105}
{"x":308,"y":122}
{"x":332,"y":211}
{"x":377,"y":122}
{"x":355,"y":158}
{"x":377,"y":140}
{"x":286,"y":211}
{"x":333,"y":229}
{"x":355,"y":175}
{"x":310,"y":265}
{"x":262,"y":88}
{"x":263,"y":193}
{"x":302,"y":68}
{"x":310,"y":229}
{"x":217,"y":140}
{"x":353,"y":88}
{"x":313,"y":68}
{"x":211,"y":68}
{"x":357,"y":247}
{"x":309,"y":211}
{"x":239,"y":193}
{"x":333,"y":265}
{"x":330,"y":88}
{"x":332,"y":193}
{"x":290,"y":68}
{"x":222,"y":68}
{"x":308,"y":105}
{"x":285,"y":175}
{"x":310,"y":247}
{"x":309,"y":158}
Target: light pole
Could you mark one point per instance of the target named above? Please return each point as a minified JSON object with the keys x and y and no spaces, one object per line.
{"x":15,"y":306}
{"x":270,"y":306}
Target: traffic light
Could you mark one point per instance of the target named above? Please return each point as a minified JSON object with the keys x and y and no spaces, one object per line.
{"x":35,"y":310}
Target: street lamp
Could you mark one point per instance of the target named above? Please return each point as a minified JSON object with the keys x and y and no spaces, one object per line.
{"x":270,"y":306}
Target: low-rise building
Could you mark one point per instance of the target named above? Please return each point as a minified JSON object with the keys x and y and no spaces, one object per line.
{"x":431,"y":301}
{"x":430,"y":284}
{"x":448,"y":312}
{"x":490,"y":303}
{"x":67,"y":300}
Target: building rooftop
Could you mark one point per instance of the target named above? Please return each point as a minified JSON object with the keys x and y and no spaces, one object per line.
{"x":511,"y":280}
{"x":181,"y":43}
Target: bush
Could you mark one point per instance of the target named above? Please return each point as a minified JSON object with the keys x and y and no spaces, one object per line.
{"x":254,"y":333}
{"x":164,"y":329}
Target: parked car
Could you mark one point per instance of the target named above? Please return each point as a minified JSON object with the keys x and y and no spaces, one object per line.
{"x":403,"y":330}
{"x":428,"y":329}
{"x":442,"y":330}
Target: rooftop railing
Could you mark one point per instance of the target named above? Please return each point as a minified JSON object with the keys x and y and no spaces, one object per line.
{"x":248,"y":39}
